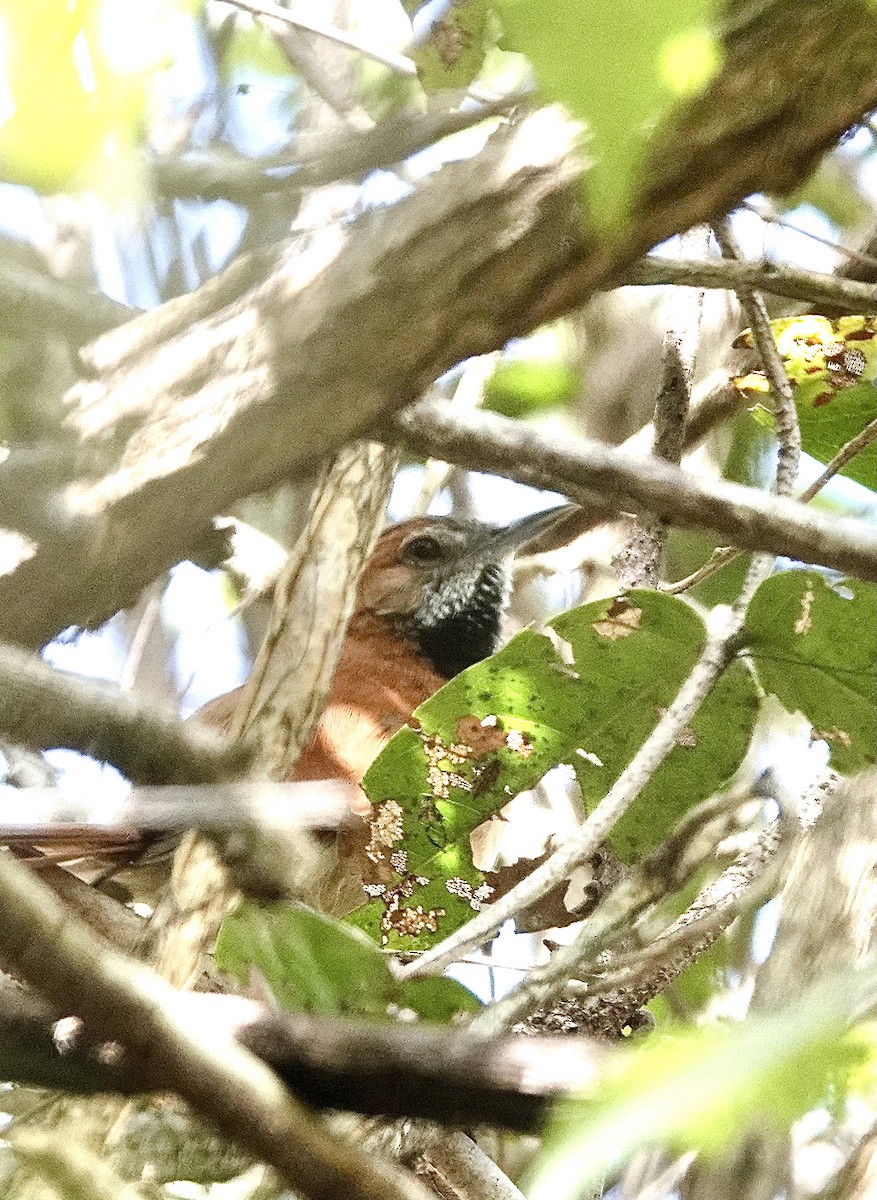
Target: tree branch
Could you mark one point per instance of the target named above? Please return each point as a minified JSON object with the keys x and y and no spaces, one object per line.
{"x":43,"y":708}
{"x":416,"y":1070}
{"x":343,"y":154}
{"x":583,"y":469}
{"x":320,"y":346}
{"x":811,"y":287}
{"x":120,"y":1001}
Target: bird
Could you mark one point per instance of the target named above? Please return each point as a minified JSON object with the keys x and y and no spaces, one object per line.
{"x":430,"y":603}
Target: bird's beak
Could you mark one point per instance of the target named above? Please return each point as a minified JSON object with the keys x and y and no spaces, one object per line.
{"x":509,"y":539}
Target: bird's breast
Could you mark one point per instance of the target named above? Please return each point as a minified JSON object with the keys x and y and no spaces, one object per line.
{"x":379,"y":681}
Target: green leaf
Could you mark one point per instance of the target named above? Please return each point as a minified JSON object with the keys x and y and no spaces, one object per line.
{"x":497,"y":728}
{"x":618,"y":68}
{"x":630,"y":682}
{"x":524,"y":388}
{"x":702,"y":1089}
{"x":814,"y":646}
{"x":832,"y":366}
{"x":314,"y":964}
{"x":454,"y":52}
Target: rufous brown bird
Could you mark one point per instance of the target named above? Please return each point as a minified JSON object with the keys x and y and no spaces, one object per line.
{"x":429,"y":604}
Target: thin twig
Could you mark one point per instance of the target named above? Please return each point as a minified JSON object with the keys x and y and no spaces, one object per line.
{"x":692,"y":843}
{"x":785,"y":414}
{"x":772,"y":218}
{"x":638,"y":561}
{"x":845,"y":455}
{"x":399,"y":63}
{"x":333,"y":157}
{"x":812,"y":287}
{"x":465,"y":1166}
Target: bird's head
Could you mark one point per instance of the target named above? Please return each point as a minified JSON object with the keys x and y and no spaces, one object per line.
{"x":444,"y":583}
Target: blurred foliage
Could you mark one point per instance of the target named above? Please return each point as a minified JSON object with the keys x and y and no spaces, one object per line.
{"x":453,"y":53}
{"x":524,"y":388}
{"x":832,"y":366}
{"x":497,"y":728}
{"x":814,"y":646}
{"x":314,"y":964}
{"x":832,"y":190}
{"x":702,"y":1089}
{"x":252,"y":50}
{"x":690,"y":993}
{"x":74,"y":82}
{"x":617,"y":75}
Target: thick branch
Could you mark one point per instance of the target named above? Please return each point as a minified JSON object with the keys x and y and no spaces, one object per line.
{"x":317,"y":346}
{"x":122,"y":1002}
{"x":414,"y":1070}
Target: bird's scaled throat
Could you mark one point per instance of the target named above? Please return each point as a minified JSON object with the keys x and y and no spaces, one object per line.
{"x":459,"y":618}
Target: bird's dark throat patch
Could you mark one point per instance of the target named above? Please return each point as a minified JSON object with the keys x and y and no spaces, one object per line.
{"x":459,"y":619}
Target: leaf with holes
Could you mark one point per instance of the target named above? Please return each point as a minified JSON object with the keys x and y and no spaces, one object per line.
{"x":496,"y":729}
{"x":814,"y":645}
{"x":832,"y":366}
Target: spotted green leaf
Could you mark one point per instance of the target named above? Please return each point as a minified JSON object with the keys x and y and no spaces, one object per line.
{"x":497,"y":728}
{"x":832,"y":366}
{"x":814,"y":645}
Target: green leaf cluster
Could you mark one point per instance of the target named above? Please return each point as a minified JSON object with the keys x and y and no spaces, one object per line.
{"x":314,"y":964}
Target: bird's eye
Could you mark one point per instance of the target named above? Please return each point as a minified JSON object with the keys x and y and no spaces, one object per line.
{"x":423,"y":548}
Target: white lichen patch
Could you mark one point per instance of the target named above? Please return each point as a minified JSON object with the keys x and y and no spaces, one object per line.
{"x":411,"y":922}
{"x":805,"y":619}
{"x":465,"y":891}
{"x":386,"y":830}
{"x":519,"y":743}
{"x":441,"y":759}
